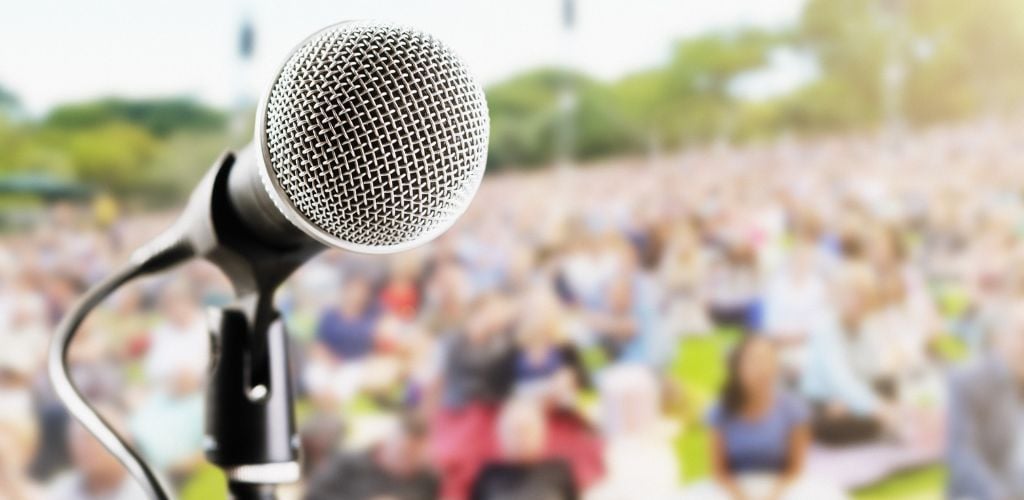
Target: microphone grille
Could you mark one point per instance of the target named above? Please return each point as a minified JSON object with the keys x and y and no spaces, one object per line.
{"x":374,"y":137}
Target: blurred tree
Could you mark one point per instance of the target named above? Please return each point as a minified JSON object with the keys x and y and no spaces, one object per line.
{"x":525,"y":116}
{"x":689,"y":100}
{"x":160,"y":117}
{"x":967,"y":57}
{"x":116,"y":155}
{"x":940,"y":60}
{"x":181,"y":161}
{"x":850,"y":41}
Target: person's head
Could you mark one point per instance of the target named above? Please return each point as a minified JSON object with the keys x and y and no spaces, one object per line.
{"x":178,"y":303}
{"x":355,"y":295}
{"x":753,"y":373}
{"x":491,"y":314}
{"x":522,"y":430}
{"x":63,"y":288}
{"x":541,"y":317}
{"x":450,"y":287}
{"x":404,"y":268}
{"x":404,"y":452}
{"x":521,"y":266}
{"x":855,"y":293}
{"x":630,"y":399}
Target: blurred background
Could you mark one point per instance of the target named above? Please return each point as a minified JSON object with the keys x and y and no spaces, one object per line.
{"x":731,"y":249}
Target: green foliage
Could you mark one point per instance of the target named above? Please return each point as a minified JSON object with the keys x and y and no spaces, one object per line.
{"x":114,"y":155}
{"x":152,"y":150}
{"x":181,"y":161}
{"x":686,"y":101}
{"x":689,"y":99}
{"x":160,"y":117}
{"x":968,"y":56}
{"x":827,"y":105}
{"x":527,"y":116}
{"x":955,"y":58}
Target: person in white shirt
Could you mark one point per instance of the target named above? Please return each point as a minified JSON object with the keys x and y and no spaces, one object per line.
{"x":169,"y":423}
{"x":638,"y":451}
{"x":180,"y":350}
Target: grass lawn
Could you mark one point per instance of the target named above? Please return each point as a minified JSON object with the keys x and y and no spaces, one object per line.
{"x":923,"y":484}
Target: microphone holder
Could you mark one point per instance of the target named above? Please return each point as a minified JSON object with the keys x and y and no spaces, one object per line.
{"x":250,"y":422}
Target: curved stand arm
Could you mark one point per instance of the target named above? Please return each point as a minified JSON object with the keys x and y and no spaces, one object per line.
{"x":77,"y":406}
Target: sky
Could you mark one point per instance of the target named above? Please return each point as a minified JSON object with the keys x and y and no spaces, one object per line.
{"x":55,"y":51}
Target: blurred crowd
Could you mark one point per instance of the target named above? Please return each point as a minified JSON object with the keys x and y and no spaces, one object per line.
{"x":868,"y":288}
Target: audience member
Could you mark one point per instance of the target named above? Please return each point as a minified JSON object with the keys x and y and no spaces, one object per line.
{"x":638,"y":438}
{"x":761,"y":434}
{"x":523,"y":472}
{"x":852,"y":400}
{"x":397,"y":468}
{"x":19,"y":433}
{"x":168,"y":425}
{"x":985,"y":445}
{"x":97,"y":474}
{"x":344,"y":340}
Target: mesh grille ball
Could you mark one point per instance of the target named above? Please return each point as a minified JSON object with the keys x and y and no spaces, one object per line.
{"x":376,"y":135}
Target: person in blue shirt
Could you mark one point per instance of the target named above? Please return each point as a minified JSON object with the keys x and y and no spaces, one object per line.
{"x":761,"y":433}
{"x":758,"y":428}
{"x":345,"y":339}
{"x":347,"y":331}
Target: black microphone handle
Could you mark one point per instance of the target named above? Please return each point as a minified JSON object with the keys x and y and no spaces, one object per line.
{"x":255,"y":209}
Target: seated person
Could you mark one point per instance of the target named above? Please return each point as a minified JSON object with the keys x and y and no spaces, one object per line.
{"x":546,"y":365}
{"x":639,"y":438}
{"x":625,"y":322}
{"x":523,"y":472}
{"x":167,"y":426}
{"x":345,"y":338}
{"x":985,"y":444}
{"x":760,"y":433}
{"x":400,"y":295}
{"x":477,"y":360}
{"x":97,"y":474}
{"x":395,"y":469}
{"x":851,"y":401}
{"x":19,"y":431}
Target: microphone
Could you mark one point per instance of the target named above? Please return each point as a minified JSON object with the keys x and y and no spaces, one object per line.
{"x":371,"y":138}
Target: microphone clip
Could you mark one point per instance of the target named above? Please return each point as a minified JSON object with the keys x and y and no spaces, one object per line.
{"x":250,"y":420}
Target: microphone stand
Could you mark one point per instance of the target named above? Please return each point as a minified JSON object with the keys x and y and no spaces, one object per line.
{"x":250,"y":421}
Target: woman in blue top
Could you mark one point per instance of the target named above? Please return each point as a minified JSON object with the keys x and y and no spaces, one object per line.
{"x":761,"y":434}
